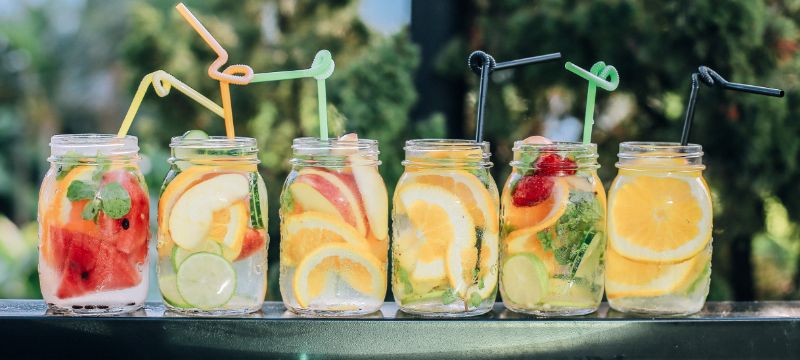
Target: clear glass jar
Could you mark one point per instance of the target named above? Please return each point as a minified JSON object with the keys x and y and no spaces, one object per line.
{"x":659,"y":228}
{"x":212,"y":228}
{"x":553,"y":216}
{"x":94,"y":226}
{"x":334,"y":228}
{"x":445,"y":229}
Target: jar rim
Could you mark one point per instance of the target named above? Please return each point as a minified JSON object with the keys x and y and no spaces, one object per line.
{"x":555,"y":146}
{"x":450,"y":153}
{"x":313,"y":144}
{"x":89,"y":145}
{"x":214,"y":142}
{"x":658,"y":150}
{"x":447,"y":144}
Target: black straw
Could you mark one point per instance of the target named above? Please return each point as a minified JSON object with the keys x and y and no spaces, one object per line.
{"x":709,"y":77}
{"x":483,"y":64}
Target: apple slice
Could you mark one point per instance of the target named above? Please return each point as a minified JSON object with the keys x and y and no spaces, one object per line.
{"x":322,"y":191}
{"x":192,"y":216}
{"x":537,"y":140}
{"x":372,"y":191}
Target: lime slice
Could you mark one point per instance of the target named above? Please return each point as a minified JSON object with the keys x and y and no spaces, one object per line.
{"x":565,"y":293}
{"x":195,"y":134}
{"x":206,"y":280}
{"x":180,"y":254}
{"x":588,"y":268}
{"x":524,"y":278}
{"x":169,"y":291}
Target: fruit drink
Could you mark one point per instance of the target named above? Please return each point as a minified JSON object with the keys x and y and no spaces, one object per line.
{"x":94,"y":226}
{"x":334,"y":228}
{"x":553,"y":230}
{"x":445,"y":229}
{"x":212,"y":227}
{"x":659,"y":228}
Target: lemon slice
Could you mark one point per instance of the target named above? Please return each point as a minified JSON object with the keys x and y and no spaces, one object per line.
{"x":539,"y":217}
{"x":444,"y":232}
{"x":206,"y":281}
{"x":469,"y":189}
{"x":305,"y":232}
{"x":659,"y":219}
{"x":524,"y":279}
{"x":625,"y":277}
{"x":526,"y":240}
{"x":357,"y":266}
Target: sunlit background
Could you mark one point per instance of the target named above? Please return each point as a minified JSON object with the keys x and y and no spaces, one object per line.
{"x":72,"y":66}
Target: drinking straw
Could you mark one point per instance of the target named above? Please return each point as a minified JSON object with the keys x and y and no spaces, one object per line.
{"x":707,"y":76}
{"x":484,"y":64}
{"x":321,"y":68}
{"x":597,"y":77}
{"x":227,"y":76}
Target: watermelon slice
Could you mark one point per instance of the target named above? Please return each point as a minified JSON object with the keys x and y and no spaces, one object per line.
{"x":90,"y":264}
{"x":131,"y":233}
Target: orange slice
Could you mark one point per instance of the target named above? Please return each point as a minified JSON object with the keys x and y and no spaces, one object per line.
{"x":539,"y":217}
{"x":305,"y":232}
{"x":659,"y":219}
{"x":357,"y":266}
{"x":228,"y":228}
{"x":625,"y":277}
{"x":469,"y":190}
{"x":526,"y":240}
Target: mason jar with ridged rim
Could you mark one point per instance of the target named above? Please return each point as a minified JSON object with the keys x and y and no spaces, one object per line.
{"x":659,"y":228}
{"x":445,"y":229}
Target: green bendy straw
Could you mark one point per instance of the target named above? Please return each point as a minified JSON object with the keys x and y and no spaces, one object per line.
{"x":321,"y":68}
{"x":597,"y":77}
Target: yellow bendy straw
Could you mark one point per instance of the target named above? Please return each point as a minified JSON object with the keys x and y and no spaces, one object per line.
{"x":162,"y":82}
{"x":226,"y":77}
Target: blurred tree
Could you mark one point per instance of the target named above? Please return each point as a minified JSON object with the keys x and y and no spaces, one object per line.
{"x":751,"y":143}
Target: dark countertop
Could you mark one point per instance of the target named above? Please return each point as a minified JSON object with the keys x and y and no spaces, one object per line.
{"x":725,"y":330}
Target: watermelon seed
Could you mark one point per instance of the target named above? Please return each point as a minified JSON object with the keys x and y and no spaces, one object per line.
{"x":125,"y":224}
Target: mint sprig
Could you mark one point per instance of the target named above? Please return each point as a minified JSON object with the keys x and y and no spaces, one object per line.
{"x":112,"y":199}
{"x":81,"y":190}
{"x":115,"y":200}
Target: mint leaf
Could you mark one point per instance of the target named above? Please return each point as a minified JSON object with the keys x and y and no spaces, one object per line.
{"x":546,"y":237}
{"x":402,"y":276}
{"x":103,"y":165}
{"x":116,"y":202}
{"x":70,"y":160}
{"x":91,"y":209}
{"x":481,"y":285}
{"x":475,"y":300}
{"x":81,"y":190}
{"x":449,"y":296}
{"x":287,"y":201}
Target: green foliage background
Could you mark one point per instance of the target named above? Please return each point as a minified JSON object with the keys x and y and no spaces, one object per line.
{"x":55,"y":81}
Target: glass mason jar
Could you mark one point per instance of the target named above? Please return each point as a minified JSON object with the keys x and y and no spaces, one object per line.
{"x":212,"y":228}
{"x":659,"y":228}
{"x":445,"y":229}
{"x":553,"y":217}
{"x":334,"y":228}
{"x":94,"y":226}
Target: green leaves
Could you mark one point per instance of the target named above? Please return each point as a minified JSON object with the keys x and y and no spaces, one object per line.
{"x":402,"y":276}
{"x":112,"y":199}
{"x":81,"y":190}
{"x":546,"y":237}
{"x":475,"y":299}
{"x":115,"y":201}
{"x":91,"y":210}
{"x":450,"y":296}
{"x":103,"y":165}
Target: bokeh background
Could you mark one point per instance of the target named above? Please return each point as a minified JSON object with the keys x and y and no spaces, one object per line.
{"x":72,"y":66}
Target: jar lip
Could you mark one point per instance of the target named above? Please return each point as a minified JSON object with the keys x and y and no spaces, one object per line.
{"x":446,"y":145}
{"x":555,"y":146}
{"x":658,"y":150}
{"x":89,"y":145}
{"x":312,"y":143}
{"x":214,"y":142}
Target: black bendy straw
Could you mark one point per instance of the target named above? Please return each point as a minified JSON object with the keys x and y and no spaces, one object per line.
{"x":708,"y":77}
{"x":483,"y":64}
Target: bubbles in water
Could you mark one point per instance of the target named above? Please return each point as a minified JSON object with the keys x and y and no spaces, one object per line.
{"x":259,"y":268}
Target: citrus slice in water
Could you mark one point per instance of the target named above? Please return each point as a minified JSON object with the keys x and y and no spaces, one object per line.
{"x":524,"y":279}
{"x":307,"y":231}
{"x":566,"y":293}
{"x":487,"y":263}
{"x":206,"y":281}
{"x":526,"y":240}
{"x":168,"y":286}
{"x":443,"y":235}
{"x":179,"y":254}
{"x":356,"y":266}
{"x":470,"y":191}
{"x":538,"y":217}
{"x":660,"y":219}
{"x":625,"y":277}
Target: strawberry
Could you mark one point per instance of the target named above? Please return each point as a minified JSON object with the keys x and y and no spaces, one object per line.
{"x":554,"y":165}
{"x":532,"y":190}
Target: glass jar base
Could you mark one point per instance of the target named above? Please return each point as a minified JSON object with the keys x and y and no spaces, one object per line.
{"x":213,"y":312}
{"x":553,"y":311}
{"x":663,"y":306}
{"x":332,"y":313}
{"x":476,"y":312}
{"x":91,"y":310}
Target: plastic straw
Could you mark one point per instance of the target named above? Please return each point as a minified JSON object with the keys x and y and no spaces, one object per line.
{"x":596,"y":77}
{"x":708,"y":77}
{"x":162,"y":82}
{"x":226,"y":77}
{"x":321,"y":68}
{"x":484,"y":64}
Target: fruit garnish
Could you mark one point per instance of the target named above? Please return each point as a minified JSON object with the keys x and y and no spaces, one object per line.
{"x":195,"y":134}
{"x":372,"y":192}
{"x":548,"y":164}
{"x":179,"y":254}
{"x":254,"y":241}
{"x":258,"y":202}
{"x":590,"y":261}
{"x":469,"y":190}
{"x":444,"y":230}
{"x":308,"y":231}
{"x":532,"y":190}
{"x":192,"y":217}
{"x":660,"y":219}
{"x":316,"y":189}
{"x":525,"y":240}
{"x":206,"y":281}
{"x":356,"y":266}
{"x":625,"y":277}
{"x":228,"y":228}
{"x":487,"y":261}
{"x":537,"y":140}
{"x":524,"y":279}
{"x":131,"y":232}
{"x":168,"y":286}
{"x":540,"y":216}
